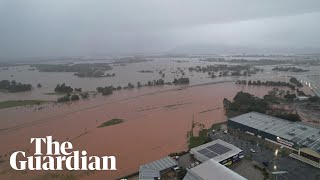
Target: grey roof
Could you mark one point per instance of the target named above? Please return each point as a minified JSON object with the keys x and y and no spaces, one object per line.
{"x":217,"y":150}
{"x":297,"y":132}
{"x":212,"y":170}
{"x":152,"y":169}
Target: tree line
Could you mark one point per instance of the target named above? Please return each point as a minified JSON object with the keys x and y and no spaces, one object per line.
{"x":268,"y":83}
{"x":245,"y":102}
{"x":13,"y":86}
{"x":107,"y":90}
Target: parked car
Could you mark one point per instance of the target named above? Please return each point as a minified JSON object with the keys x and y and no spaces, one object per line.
{"x":265,"y":163}
{"x":176,"y":169}
{"x":252,"y":150}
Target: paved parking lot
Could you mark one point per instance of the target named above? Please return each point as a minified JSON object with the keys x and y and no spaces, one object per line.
{"x":297,"y":170}
{"x":246,"y":169}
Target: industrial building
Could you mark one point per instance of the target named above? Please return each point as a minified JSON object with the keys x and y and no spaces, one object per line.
{"x":211,"y":170}
{"x":214,"y":156}
{"x":305,"y":139}
{"x":153,"y":170}
{"x":217,"y":150}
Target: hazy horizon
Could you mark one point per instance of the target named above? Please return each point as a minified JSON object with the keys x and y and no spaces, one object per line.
{"x":38,"y":28}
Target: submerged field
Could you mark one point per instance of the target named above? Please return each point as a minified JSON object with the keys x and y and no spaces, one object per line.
{"x":157,"y":119}
{"x":15,"y":103}
{"x":157,"y":123}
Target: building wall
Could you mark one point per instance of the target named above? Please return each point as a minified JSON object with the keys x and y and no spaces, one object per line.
{"x":256,"y":132}
{"x":229,"y":161}
{"x":199,"y":157}
{"x":309,"y":156}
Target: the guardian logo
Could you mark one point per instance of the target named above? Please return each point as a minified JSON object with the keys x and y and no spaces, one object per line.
{"x":59,"y":157}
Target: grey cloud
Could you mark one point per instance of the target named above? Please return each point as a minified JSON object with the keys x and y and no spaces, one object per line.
{"x":78,"y":27}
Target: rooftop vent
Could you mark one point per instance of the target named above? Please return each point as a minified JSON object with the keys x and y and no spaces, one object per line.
{"x":303,"y":128}
{"x":292,"y":133}
{"x":310,"y":139}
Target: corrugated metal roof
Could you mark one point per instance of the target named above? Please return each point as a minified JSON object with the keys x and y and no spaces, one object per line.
{"x":302,"y":134}
{"x":152,"y":169}
{"x":212,"y":170}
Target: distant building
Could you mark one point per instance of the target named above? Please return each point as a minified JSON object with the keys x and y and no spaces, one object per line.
{"x":217,"y":150}
{"x":212,"y":170}
{"x":152,"y":170}
{"x":305,"y":139}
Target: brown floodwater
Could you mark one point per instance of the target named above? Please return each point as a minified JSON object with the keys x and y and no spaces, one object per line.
{"x":156,"y":123}
{"x":157,"y":119}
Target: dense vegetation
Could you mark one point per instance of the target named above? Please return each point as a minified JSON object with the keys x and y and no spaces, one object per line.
{"x":107,"y":90}
{"x":203,"y":137}
{"x":111,"y":122}
{"x":13,"y":86}
{"x":63,"y":88}
{"x":158,"y":82}
{"x":181,"y":81}
{"x":84,"y":95}
{"x":97,"y":73}
{"x":226,"y":70}
{"x":290,"y":69}
{"x":244,"y":102}
{"x":81,"y":70}
{"x":295,"y":81}
{"x":247,"y":61}
{"x":68,"y":97}
{"x":267,"y":83}
{"x":128,"y":60}
{"x":145,"y":71}
{"x":264,"y":61}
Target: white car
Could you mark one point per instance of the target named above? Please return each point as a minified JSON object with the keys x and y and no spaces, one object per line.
{"x":176,"y":168}
{"x":253,"y":151}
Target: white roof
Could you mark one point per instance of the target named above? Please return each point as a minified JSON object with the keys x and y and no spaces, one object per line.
{"x":212,"y":170}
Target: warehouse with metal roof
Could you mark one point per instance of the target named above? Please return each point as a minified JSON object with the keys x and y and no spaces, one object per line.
{"x":297,"y":135}
{"x":212,"y":170}
{"x":217,"y":150}
{"x":152,"y":170}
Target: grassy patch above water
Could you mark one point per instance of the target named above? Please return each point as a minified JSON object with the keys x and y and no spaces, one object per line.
{"x":111,"y":122}
{"x":203,"y":137}
{"x":13,"y":103}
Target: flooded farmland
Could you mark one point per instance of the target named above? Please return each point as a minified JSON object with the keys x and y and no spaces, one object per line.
{"x":156,"y":119}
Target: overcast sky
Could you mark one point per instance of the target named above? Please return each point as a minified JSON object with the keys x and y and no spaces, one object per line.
{"x":34,"y":28}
